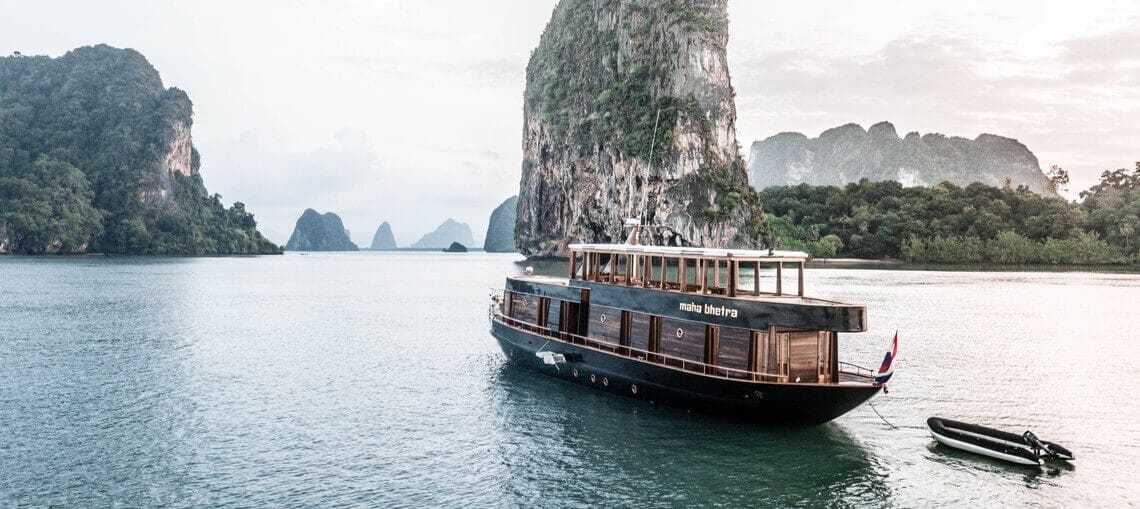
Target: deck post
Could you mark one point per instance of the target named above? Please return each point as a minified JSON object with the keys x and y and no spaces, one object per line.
{"x":733,"y":270}
{"x":626,"y":329}
{"x":654,"y":338}
{"x":646,"y":269}
{"x":542,"y":312}
{"x":584,"y":314}
{"x":712,"y":348}
{"x":572,"y":254}
{"x":801,"y":278}
{"x":628,"y":269}
{"x":702,"y":273}
{"x":681,"y":273}
{"x":779,"y":278}
{"x":754,"y":354}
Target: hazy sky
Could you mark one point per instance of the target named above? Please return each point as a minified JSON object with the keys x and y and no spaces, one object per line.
{"x":411,"y":111}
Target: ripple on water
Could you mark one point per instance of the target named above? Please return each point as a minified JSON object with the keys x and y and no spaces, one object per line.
{"x":370,"y":379}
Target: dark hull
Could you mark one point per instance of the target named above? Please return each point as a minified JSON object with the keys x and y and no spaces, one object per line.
{"x":753,"y":401}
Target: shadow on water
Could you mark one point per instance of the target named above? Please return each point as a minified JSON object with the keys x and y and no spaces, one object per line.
{"x":576,"y":445}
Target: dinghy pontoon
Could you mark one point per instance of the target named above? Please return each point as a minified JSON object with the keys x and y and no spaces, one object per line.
{"x":1024,"y":449}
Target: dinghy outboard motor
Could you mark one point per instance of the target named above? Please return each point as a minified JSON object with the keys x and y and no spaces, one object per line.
{"x":1035,"y":443}
{"x":1050,"y":449}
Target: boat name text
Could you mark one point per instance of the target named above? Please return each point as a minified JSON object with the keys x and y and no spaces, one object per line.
{"x":709,"y":309}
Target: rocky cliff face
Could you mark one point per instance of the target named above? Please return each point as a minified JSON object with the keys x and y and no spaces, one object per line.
{"x":320,"y":232}
{"x":96,"y":154}
{"x":383,"y":240}
{"x":848,"y":153}
{"x":629,"y":112}
{"x":501,"y":228}
{"x":448,"y":232}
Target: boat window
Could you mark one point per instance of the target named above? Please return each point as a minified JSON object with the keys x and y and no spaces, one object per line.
{"x":554,"y":315}
{"x":524,"y":307}
{"x":734,"y":347}
{"x":605,"y":324}
{"x":689,"y":344}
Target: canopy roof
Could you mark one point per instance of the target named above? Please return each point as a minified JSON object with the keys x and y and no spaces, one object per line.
{"x":693,"y":252}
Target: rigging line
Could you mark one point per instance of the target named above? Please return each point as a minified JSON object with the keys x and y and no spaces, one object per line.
{"x":872,"y":405}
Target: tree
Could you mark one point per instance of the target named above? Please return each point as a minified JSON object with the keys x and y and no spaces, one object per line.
{"x":1058,"y":179}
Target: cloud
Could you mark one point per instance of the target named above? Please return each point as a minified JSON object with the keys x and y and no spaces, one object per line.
{"x":484,"y":73}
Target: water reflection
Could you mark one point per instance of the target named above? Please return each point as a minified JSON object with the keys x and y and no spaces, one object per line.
{"x":611,"y":451}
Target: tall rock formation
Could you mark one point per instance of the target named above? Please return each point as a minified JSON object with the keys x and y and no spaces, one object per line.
{"x":501,"y":228}
{"x":629,"y":112}
{"x":96,"y":155}
{"x":448,"y":232}
{"x":320,"y":232}
{"x":848,"y":153}
{"x":383,"y":240}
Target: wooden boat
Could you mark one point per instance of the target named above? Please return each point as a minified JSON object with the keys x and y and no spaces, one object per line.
{"x":702,"y":329}
{"x":1023,"y":449}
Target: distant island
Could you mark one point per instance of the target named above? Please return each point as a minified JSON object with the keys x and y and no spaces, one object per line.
{"x":442,"y":237}
{"x":320,"y":232}
{"x":501,"y":228}
{"x":96,"y":156}
{"x":849,"y":153}
{"x":455,"y":247}
{"x":383,"y":240}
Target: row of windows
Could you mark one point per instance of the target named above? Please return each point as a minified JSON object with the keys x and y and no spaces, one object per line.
{"x":804,"y":352}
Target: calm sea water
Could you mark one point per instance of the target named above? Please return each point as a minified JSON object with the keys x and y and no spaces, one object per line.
{"x":370,"y":379}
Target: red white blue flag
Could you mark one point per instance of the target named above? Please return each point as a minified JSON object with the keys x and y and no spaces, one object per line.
{"x":887,"y":368}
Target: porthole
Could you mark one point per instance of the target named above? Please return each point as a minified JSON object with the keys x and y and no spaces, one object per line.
{"x":605,"y":382}
{"x":593,"y":378}
{"x":633,"y":388}
{"x":603,"y":318}
{"x":680,"y":332}
{"x":575,"y":373}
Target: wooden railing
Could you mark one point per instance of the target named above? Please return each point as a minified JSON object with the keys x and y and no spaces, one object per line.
{"x":852,"y":369}
{"x":656,"y":358}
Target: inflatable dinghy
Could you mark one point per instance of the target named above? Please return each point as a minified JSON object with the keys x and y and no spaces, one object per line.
{"x":1023,"y":449}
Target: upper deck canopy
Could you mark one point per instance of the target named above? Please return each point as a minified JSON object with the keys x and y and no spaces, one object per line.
{"x":685,"y":269}
{"x":693,"y":252}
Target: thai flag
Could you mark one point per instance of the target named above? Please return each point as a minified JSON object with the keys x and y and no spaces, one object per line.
{"x":887,"y":368}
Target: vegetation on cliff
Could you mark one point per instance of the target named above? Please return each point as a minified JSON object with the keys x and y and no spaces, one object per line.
{"x":587,"y":95}
{"x":951,"y":224}
{"x":95,"y":156}
{"x":629,"y":112}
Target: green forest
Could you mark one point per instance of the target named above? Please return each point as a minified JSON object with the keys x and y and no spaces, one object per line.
{"x":951,"y":224}
{"x":83,"y":143}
